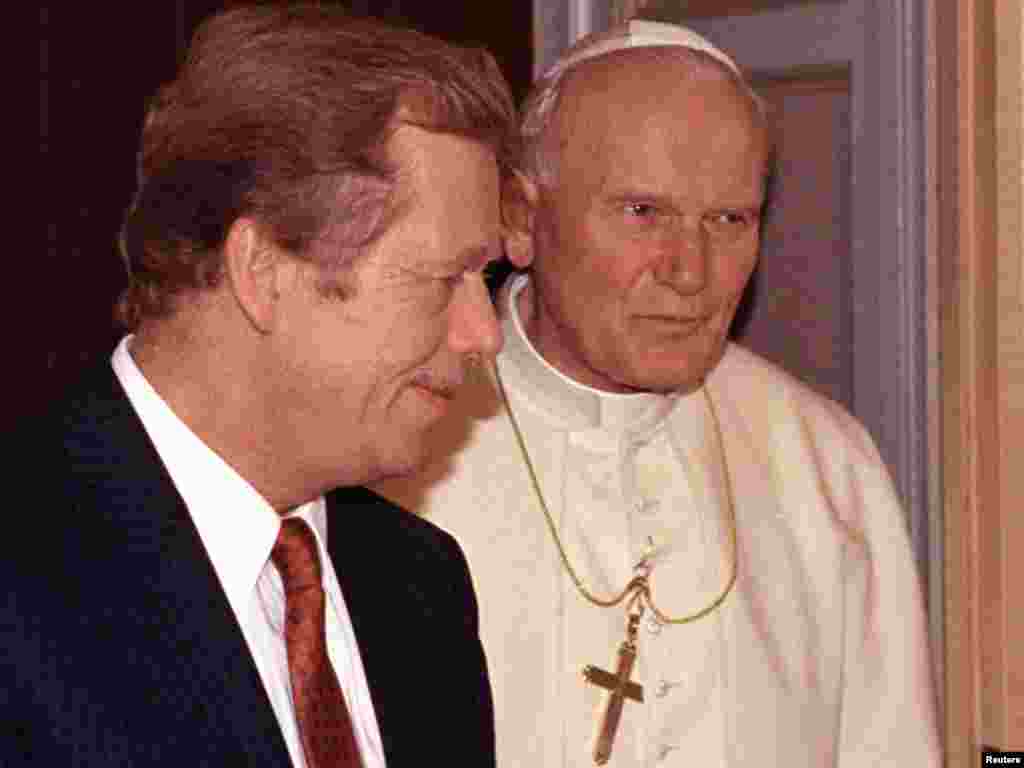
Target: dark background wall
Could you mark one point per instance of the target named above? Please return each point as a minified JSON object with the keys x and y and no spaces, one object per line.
{"x":99,"y":63}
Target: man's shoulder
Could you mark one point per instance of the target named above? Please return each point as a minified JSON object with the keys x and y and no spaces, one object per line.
{"x":769,"y":397}
{"x":743,"y":370}
{"x":741,"y":366}
{"x":73,"y":426}
{"x":371,"y":518}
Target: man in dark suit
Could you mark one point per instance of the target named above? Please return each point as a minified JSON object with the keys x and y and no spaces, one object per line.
{"x":318,"y":199}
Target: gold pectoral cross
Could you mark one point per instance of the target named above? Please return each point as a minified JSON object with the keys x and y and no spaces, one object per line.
{"x":619,"y":688}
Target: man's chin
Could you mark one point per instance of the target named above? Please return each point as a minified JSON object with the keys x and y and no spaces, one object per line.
{"x":667,"y":385}
{"x":662,"y":377}
{"x":398,"y":456}
{"x":404,"y":466}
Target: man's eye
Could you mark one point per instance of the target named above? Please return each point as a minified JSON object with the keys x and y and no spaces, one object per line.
{"x":640,"y":210}
{"x":729,"y":222}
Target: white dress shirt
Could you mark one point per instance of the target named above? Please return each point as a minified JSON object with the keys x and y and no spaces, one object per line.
{"x":238,"y":528}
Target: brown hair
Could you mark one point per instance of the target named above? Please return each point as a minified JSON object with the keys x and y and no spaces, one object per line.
{"x":283,"y":113}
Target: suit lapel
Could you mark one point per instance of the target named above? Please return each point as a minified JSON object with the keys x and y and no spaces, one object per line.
{"x":410,"y":600}
{"x":201,"y":642}
{"x":358,"y":523}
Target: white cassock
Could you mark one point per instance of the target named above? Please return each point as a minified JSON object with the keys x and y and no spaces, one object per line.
{"x":819,"y":655}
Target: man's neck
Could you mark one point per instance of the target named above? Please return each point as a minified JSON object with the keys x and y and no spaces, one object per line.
{"x":215,"y":394}
{"x":544,"y":337}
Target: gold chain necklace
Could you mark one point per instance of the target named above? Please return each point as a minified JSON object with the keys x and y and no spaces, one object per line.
{"x":638,"y":591}
{"x":638,"y":588}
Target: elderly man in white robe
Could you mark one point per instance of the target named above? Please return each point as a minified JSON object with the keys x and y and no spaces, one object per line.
{"x":684,"y":556}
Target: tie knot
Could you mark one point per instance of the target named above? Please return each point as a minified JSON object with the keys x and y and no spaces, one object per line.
{"x":296,"y":557}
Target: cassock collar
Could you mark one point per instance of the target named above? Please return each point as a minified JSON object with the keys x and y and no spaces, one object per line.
{"x":576,"y":406}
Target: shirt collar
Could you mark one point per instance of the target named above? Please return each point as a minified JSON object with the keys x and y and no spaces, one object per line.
{"x":238,"y":527}
{"x":576,"y":405}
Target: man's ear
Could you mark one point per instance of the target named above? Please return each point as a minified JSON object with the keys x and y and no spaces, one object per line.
{"x":519,"y":199}
{"x":255,"y":268}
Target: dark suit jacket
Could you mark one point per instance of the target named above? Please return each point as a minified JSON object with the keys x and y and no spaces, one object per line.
{"x":118,"y":646}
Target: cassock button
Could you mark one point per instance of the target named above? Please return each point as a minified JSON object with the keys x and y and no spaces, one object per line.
{"x":648,"y":506}
{"x":653,"y":625}
{"x":661,"y":690}
{"x":664,"y":750}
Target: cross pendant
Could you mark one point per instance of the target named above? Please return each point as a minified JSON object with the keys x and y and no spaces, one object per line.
{"x":619,"y":688}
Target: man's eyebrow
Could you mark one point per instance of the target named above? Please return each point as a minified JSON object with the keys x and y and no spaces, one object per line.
{"x":632,"y":194}
{"x":624,"y":196}
{"x":635,"y":194}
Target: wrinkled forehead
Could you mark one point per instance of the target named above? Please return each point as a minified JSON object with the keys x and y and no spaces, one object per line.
{"x":661,"y":118}
{"x":630,"y":70}
{"x":636,"y":86}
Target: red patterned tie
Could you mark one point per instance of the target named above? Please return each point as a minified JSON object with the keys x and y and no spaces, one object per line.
{"x":324,"y":723}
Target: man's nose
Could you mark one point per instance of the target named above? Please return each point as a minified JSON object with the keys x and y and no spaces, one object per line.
{"x":474,"y":328}
{"x":683,"y":260}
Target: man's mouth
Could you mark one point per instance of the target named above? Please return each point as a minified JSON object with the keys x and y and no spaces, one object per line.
{"x":678,"y":320}
{"x":443,"y":389}
{"x":444,"y":392}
